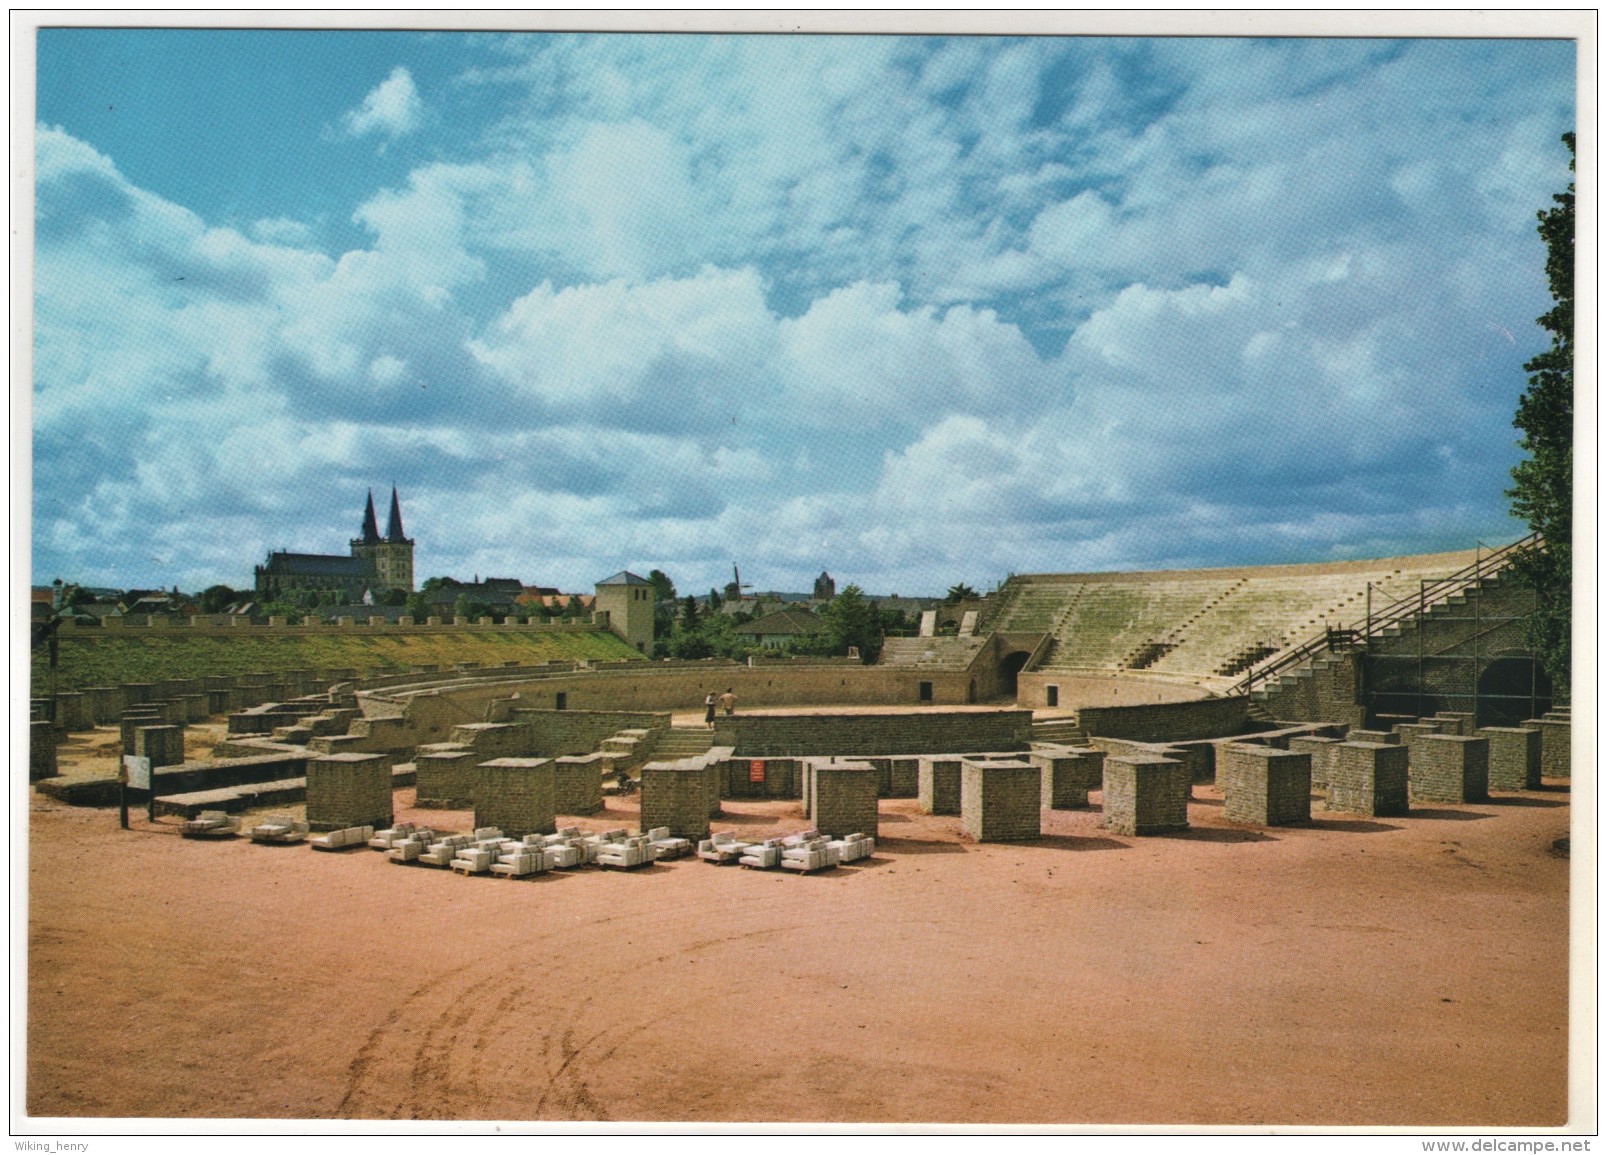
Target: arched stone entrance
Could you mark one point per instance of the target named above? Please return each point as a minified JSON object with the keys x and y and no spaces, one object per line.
{"x":1009,"y":667}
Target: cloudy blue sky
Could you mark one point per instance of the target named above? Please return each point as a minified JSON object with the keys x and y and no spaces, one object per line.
{"x":912,"y":310}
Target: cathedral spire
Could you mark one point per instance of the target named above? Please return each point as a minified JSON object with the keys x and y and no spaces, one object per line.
{"x":393,"y":528}
{"x":370,"y":523}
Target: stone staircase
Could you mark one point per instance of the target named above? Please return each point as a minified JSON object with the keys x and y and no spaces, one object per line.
{"x":1060,"y":732}
{"x":683,"y":742}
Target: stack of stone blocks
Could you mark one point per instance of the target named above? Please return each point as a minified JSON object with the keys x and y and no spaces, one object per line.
{"x":999,"y":801}
{"x":1146,"y":794}
{"x":1264,"y":786}
{"x":1450,"y":768}
{"x":515,"y":795}
{"x":345,"y":790}
{"x":1369,"y":778}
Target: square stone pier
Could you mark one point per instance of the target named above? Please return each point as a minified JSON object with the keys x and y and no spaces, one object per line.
{"x":1263,"y":785}
{"x":445,"y":779}
{"x":348,"y":790}
{"x":843,"y":798}
{"x":163,"y":745}
{"x":1067,"y":776}
{"x":675,"y":795}
{"x":999,"y":801}
{"x":1146,"y":794}
{"x":1514,"y":757}
{"x":1369,"y":778}
{"x":1450,"y":768}
{"x":937,"y":784}
{"x":516,"y":796}
{"x":1321,"y":751}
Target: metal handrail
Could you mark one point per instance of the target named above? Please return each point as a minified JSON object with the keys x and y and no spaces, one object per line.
{"x":1366,"y":627}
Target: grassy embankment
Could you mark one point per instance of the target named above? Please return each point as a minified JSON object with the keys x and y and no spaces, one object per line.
{"x":107,"y":659}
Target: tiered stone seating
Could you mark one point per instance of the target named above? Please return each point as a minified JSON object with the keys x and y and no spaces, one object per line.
{"x":1112,"y":619}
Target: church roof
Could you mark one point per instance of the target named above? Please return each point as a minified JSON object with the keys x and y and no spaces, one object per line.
{"x":393,"y":529}
{"x":318,"y":565}
{"x":625,"y":578}
{"x":783,"y":622}
{"x":370,"y":523}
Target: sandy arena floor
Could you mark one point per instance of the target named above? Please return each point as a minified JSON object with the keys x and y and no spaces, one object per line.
{"x":1401,"y":971}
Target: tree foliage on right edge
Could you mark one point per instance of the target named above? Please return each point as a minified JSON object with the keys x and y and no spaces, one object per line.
{"x":1542,"y":489}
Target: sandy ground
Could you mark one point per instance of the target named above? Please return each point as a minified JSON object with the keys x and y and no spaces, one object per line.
{"x":1389,"y":972}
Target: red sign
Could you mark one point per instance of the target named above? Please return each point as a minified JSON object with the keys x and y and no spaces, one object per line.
{"x":756,"y":770}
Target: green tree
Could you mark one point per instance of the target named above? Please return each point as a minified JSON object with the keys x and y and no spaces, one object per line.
{"x":393,"y":597}
{"x":851,"y":621}
{"x":959,"y":593}
{"x":663,"y":587}
{"x":689,"y":614}
{"x":1542,"y":484}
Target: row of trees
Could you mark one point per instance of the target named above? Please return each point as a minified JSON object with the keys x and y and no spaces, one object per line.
{"x":849,"y":620}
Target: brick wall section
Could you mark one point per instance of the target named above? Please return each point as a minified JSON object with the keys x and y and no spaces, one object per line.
{"x":1145,"y":794}
{"x":844,"y":799}
{"x":1514,"y":757}
{"x":1321,"y":753}
{"x":782,"y":778}
{"x":41,"y":751}
{"x":1387,"y":737}
{"x":1463,"y":723}
{"x":1369,"y":778}
{"x":675,"y":795}
{"x":557,"y":732}
{"x":516,"y":796}
{"x":1067,"y":775}
{"x":348,"y":790}
{"x":493,"y":740}
{"x":446,"y":780}
{"x":1450,"y":768}
{"x":1167,"y":721}
{"x":1263,"y":785}
{"x":875,"y":735}
{"x":1556,"y":757}
{"x":1329,"y":688}
{"x":999,"y":801}
{"x":577,"y":783}
{"x":163,"y":745}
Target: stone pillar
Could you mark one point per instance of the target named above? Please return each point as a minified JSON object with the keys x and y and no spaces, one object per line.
{"x":196,"y":707}
{"x":105,"y":704}
{"x":136,"y":693}
{"x":1514,"y":757}
{"x":844,"y":799}
{"x":938,"y":784}
{"x":163,"y":745}
{"x":1369,"y":778}
{"x":675,"y":795}
{"x":1068,"y":775}
{"x":999,"y":801}
{"x":345,"y":790}
{"x":1146,"y":794}
{"x":1454,"y":723}
{"x":1321,"y":752}
{"x":72,"y":711}
{"x":577,"y":784}
{"x":516,"y":796}
{"x":41,"y":751}
{"x":445,"y":780}
{"x":1384,"y":737}
{"x":1450,"y":768}
{"x":131,"y":721}
{"x":1264,"y":786}
{"x":1556,"y":756}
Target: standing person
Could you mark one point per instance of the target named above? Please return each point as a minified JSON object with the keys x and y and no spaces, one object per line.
{"x":728,"y":701}
{"x":708,"y":710}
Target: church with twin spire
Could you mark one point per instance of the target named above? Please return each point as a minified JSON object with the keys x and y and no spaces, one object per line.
{"x":377,"y":563}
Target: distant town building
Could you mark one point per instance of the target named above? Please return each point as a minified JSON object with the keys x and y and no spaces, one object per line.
{"x":777,"y":629}
{"x":376,"y":563}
